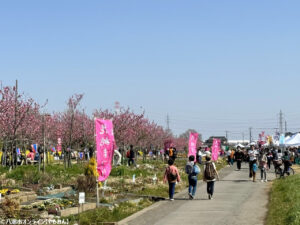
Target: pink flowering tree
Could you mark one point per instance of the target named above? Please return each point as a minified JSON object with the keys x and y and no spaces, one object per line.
{"x":19,"y":120}
{"x":131,"y":128}
{"x":68,"y":120}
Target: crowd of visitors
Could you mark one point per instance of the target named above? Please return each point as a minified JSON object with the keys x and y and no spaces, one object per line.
{"x":259,"y":159}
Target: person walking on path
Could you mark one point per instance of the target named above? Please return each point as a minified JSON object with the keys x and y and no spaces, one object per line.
{"x":199,"y":156}
{"x":209,"y":176}
{"x":174,"y":153}
{"x":192,"y":169}
{"x":172,"y":176}
{"x":263,"y":167}
{"x":269,"y":158}
{"x":254,"y":169}
{"x":131,"y":157}
{"x":238,"y":158}
{"x":232,"y":157}
{"x":228,"y":153}
{"x":252,"y":157}
{"x":286,"y":162}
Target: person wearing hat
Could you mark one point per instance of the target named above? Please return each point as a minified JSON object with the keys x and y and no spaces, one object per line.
{"x":238,"y":156}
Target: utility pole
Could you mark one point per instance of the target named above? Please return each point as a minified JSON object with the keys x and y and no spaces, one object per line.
{"x":250,"y":133}
{"x":117,"y":107}
{"x":226,"y":131}
{"x":281,"y":127}
{"x":243,"y":137}
{"x":168,"y":122}
{"x":285,"y":126}
{"x":281,"y":122}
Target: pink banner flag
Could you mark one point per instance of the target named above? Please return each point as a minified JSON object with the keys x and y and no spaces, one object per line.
{"x":193,"y":144}
{"x":216,"y":148}
{"x":59,"y":145}
{"x":105,"y":142}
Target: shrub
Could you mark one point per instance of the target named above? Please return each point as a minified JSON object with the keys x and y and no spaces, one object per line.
{"x":10,"y":207}
{"x":90,"y":169}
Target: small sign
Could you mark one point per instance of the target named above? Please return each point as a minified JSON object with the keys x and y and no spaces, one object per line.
{"x":81,"y":197}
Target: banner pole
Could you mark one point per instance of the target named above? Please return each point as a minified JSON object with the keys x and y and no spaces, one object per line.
{"x":97,"y":185}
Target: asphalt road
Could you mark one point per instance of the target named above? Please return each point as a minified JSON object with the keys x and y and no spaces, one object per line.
{"x":237,"y":201}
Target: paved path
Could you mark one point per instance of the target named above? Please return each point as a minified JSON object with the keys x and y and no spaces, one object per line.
{"x":237,"y":201}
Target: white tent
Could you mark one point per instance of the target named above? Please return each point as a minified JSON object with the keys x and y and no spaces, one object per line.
{"x":240,"y":145}
{"x":293,"y":141}
{"x":252,"y":143}
{"x":276,"y":142}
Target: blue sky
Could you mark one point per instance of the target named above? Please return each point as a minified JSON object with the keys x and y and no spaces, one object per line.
{"x":211,"y":65}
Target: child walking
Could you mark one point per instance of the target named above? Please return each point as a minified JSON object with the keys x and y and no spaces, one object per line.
{"x":172,"y":176}
{"x":192,"y":170}
{"x":254,"y":169}
{"x":263,"y":165}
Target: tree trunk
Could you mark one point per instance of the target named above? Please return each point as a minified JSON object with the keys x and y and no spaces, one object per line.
{"x":69,"y":159}
{"x":65,"y":158}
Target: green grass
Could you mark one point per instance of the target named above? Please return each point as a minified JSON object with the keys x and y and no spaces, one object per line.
{"x":101,"y":215}
{"x":128,"y":171}
{"x":3,"y":169}
{"x":54,"y":174}
{"x":159,"y":191}
{"x":60,"y":174}
{"x":284,"y":206}
{"x":28,"y":174}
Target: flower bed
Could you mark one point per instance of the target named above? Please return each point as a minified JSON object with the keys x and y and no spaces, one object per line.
{"x":7,"y":191}
{"x":53,"y":206}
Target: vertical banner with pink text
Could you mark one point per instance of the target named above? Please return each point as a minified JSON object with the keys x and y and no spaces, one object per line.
{"x":105,"y":142}
{"x":59,"y":146}
{"x":193,"y":144}
{"x":216,"y":148}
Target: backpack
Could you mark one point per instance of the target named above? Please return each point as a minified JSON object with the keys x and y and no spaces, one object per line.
{"x":172,"y":176}
{"x":196,"y":170}
{"x":128,"y":154}
{"x":254,"y":167}
{"x":209,"y":172}
{"x":188,"y":168}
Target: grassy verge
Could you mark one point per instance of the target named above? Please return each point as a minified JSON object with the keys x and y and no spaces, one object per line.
{"x":284,"y":205}
{"x":54,"y":174}
{"x":101,"y":215}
